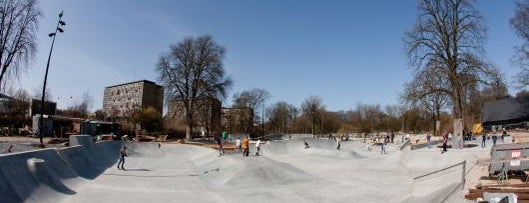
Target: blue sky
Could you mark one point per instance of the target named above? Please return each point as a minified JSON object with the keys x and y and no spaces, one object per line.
{"x":345,"y":51}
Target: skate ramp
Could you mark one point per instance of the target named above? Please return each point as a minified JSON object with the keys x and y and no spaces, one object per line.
{"x":318,"y":147}
{"x":226,"y":171}
{"x":45,"y":175}
{"x":285,"y":172}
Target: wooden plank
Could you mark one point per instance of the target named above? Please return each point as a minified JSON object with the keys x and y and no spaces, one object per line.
{"x":505,"y":185}
{"x":507,"y":190}
{"x":474,"y":196}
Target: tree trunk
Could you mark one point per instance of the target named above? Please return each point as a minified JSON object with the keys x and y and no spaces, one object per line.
{"x":189,"y":127}
{"x":2,"y":76}
{"x":458,"y":112}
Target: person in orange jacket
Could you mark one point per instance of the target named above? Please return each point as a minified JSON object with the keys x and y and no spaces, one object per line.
{"x":245,"y":146}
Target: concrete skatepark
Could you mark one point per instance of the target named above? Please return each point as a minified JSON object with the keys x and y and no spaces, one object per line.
{"x":285,"y":172}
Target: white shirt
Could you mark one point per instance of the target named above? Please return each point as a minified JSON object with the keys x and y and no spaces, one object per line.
{"x":238,"y":142}
{"x":258,"y":143}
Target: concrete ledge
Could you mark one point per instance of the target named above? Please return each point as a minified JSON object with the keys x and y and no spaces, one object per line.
{"x":423,"y":145}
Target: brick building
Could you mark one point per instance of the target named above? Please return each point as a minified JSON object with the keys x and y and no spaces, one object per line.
{"x":120,"y":100}
{"x":237,"y":120}
{"x":207,"y":116}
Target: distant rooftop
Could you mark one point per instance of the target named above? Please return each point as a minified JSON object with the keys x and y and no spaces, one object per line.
{"x":3,"y":96}
{"x":144,"y":81}
{"x":506,"y":109}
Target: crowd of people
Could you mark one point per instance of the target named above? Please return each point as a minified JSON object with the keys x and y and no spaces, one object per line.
{"x":241,"y":146}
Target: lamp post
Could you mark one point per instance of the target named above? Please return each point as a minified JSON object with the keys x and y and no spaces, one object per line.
{"x":53,"y":34}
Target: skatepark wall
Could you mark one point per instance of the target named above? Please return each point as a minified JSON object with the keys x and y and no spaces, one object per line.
{"x":43,"y":175}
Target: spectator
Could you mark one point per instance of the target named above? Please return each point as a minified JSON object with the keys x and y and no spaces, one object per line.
{"x":238,"y":144}
{"x":245,"y":145}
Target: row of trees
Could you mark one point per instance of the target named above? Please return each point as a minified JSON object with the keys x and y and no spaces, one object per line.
{"x":445,"y":47}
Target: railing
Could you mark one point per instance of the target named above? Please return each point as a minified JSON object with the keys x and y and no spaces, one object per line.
{"x":439,"y":173}
{"x":407,"y":142}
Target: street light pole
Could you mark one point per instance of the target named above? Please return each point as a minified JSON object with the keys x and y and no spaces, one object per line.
{"x":41,"y":121}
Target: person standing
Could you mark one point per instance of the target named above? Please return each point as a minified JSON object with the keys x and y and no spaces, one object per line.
{"x":225,"y":136}
{"x":245,"y":145}
{"x":483,"y":139}
{"x":392,"y":136}
{"x":238,"y":144}
{"x":339,"y":143}
{"x":258,"y":146}
{"x":494,"y":138}
{"x":122,"y":155}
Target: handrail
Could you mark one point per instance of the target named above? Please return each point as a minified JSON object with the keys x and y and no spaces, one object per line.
{"x":407,"y":142}
{"x":452,"y":166}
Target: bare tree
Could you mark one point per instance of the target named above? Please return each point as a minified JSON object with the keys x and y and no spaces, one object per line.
{"x":314,"y":108}
{"x":19,"y":105}
{"x":192,"y":70}
{"x":37,"y":94}
{"x":251,"y":99}
{"x":280,"y":116}
{"x":18,"y":26}
{"x":87,"y":101}
{"x":447,"y":41}
{"x":100,"y":115}
{"x":520,"y":25}
{"x":522,"y":93}
{"x":81,"y":109}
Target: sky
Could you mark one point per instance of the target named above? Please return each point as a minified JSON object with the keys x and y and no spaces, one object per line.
{"x":348,"y":52}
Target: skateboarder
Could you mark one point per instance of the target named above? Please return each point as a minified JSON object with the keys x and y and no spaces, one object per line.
{"x":122,"y":155}
{"x":258,"y":146}
{"x":445,"y":140}
{"x":484,"y":138}
{"x":383,"y":147}
{"x":219,"y":145}
{"x":10,"y":148}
